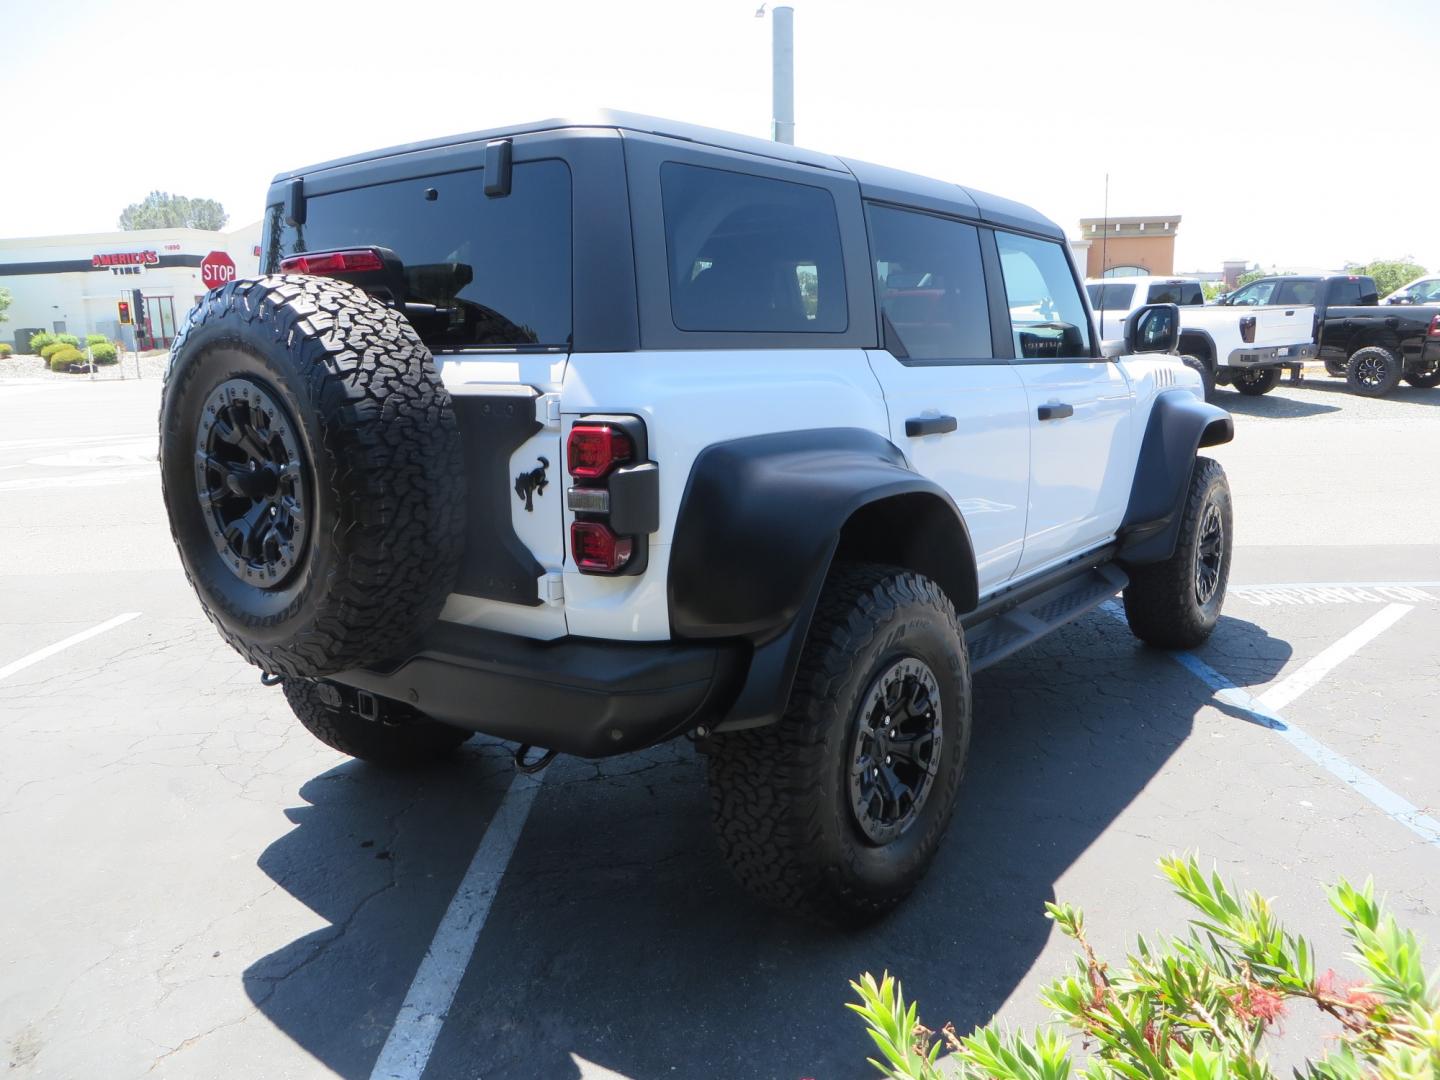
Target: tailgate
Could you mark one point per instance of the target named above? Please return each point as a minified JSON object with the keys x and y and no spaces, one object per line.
{"x":1282,"y":325}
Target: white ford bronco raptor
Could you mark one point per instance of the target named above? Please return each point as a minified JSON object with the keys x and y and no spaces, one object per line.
{"x":593,"y":434}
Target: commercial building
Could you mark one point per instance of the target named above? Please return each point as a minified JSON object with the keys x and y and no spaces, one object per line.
{"x":1127,"y":246}
{"x":76,"y":284}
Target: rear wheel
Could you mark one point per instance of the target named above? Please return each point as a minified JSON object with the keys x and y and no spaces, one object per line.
{"x":1176,"y":604}
{"x":1252,"y":382}
{"x":1424,"y":379}
{"x":1373,"y":371}
{"x":1335,"y":368}
{"x":397,"y":736}
{"x":836,"y":811}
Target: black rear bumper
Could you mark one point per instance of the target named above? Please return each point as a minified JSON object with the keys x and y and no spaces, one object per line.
{"x":575,"y":695}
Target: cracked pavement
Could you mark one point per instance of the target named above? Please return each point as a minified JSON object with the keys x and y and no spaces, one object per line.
{"x":194,"y":887}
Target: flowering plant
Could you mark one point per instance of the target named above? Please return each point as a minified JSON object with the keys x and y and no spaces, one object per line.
{"x":1195,"y":1007}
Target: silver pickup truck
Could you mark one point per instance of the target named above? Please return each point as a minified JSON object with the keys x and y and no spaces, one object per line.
{"x":1247,"y":348}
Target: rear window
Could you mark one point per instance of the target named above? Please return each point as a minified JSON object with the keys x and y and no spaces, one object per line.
{"x":1187,"y":293}
{"x":480,"y":272}
{"x":1111,"y":297}
{"x":931,"y":284}
{"x":750,"y":254}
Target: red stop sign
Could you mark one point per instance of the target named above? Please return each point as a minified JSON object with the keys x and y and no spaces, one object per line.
{"x":217,"y":269}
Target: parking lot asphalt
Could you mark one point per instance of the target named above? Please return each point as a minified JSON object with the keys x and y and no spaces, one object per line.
{"x":194,"y":887}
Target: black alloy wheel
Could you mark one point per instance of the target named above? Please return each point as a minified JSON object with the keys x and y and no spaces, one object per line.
{"x":1209,"y":552}
{"x":896,"y":754}
{"x":251,"y":480}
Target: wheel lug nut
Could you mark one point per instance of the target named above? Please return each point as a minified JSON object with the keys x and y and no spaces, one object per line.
{"x":887,"y":759}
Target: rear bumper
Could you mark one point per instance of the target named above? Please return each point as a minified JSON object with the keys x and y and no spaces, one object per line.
{"x":578,"y":696}
{"x":1267,"y":356}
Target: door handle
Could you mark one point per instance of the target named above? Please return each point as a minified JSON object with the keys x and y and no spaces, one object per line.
{"x":929,"y":425}
{"x":1055,"y":412}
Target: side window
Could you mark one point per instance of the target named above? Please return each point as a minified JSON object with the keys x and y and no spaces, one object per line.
{"x":1254,"y":294}
{"x":1341,"y":294}
{"x":750,"y":254}
{"x":1047,"y":318}
{"x":1111,"y":297}
{"x":1167,"y":293}
{"x":1192,"y":295}
{"x":479,"y":272}
{"x":931,"y":284}
{"x":1297,"y":292}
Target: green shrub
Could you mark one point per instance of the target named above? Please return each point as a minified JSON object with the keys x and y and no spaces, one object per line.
{"x":67,"y":355}
{"x":96,"y":339}
{"x":1195,"y":1007}
{"x":54,"y":347}
{"x":68,"y":339}
{"x":39,"y":340}
{"x":103,"y":352}
{"x":5,"y":350}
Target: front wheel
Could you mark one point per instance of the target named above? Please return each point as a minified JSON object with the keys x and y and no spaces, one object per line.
{"x":1373,"y":371}
{"x":1175,"y":604}
{"x":1252,"y":382}
{"x":836,"y":811}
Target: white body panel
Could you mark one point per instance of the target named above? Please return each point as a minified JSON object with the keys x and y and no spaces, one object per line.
{"x":984,"y":464}
{"x":1081,"y":465}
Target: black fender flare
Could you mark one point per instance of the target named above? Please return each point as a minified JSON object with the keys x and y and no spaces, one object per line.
{"x":758,"y":527}
{"x":1204,"y":335}
{"x":1180,"y":425}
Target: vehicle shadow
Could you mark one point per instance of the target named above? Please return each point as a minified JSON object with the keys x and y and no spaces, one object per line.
{"x":1413,"y":395}
{"x":1276,"y":404}
{"x":618,"y":938}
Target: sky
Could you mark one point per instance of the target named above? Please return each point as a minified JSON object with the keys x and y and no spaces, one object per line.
{"x":1284,"y":133}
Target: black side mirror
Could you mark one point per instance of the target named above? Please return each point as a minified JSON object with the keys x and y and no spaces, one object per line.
{"x":1154,"y":328}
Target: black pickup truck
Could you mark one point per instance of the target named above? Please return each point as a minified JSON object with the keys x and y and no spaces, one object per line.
{"x":1372,"y":347}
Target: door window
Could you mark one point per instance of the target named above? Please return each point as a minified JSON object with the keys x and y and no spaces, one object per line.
{"x":1047,"y":317}
{"x":1341,"y":293}
{"x":1111,"y":297}
{"x":1304,"y":292}
{"x":931,"y":285}
{"x":751,"y":254}
{"x":1254,"y":294}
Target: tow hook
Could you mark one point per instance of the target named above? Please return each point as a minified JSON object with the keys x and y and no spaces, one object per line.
{"x":268,"y":679}
{"x":530,"y":768}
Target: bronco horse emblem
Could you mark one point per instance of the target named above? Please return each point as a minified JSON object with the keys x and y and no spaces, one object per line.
{"x":532,"y":483}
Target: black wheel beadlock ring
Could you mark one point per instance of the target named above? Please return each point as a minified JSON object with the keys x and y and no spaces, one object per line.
{"x":896,"y":750}
{"x":251,"y":483}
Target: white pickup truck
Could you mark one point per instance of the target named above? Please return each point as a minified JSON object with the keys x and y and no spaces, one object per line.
{"x":1247,"y":348}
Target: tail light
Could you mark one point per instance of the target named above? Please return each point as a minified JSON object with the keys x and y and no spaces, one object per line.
{"x":616,"y":497}
{"x":597,"y":550}
{"x":1247,"y":329}
{"x":1435,"y":327}
{"x":329,"y":263}
{"x":595,"y":449}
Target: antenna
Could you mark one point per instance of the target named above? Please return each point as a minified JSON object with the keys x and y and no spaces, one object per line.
{"x":1105,"y":232}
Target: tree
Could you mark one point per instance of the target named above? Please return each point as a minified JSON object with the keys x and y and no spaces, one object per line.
{"x":1389,"y":275}
{"x":1196,"y":1007}
{"x":161,"y":210}
{"x":1255,"y":275}
{"x":1212,"y":289}
{"x":4,"y":304}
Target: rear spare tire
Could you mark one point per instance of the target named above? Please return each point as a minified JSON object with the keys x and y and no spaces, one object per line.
{"x":1252,"y":382}
{"x":310,"y":464}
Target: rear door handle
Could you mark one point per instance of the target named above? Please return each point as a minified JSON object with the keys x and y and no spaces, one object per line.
{"x":1056,"y":412}
{"x":929,"y":425}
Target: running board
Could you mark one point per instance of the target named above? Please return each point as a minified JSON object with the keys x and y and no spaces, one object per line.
{"x":1010,"y":631}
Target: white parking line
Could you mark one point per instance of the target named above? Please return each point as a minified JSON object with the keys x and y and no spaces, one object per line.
{"x":407,"y":1049}
{"x":1352,"y":776}
{"x":1312,"y":671}
{"x":74,"y":639}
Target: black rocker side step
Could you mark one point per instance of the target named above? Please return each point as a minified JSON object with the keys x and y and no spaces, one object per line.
{"x":1031,"y":619}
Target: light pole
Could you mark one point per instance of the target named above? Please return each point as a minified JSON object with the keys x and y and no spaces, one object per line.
{"x":782,"y":78}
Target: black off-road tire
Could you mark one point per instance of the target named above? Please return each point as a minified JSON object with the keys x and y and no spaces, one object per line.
{"x":1253,"y":382}
{"x":1164,"y":604}
{"x":371,"y":434}
{"x":1206,"y":373}
{"x":780,"y":796}
{"x":1373,"y":371}
{"x":1424,"y":379}
{"x":400,"y":738}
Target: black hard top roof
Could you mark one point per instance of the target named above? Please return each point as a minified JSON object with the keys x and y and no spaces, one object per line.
{"x":876,"y":181}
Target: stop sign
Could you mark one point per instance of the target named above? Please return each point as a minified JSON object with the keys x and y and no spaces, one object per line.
{"x":216,"y":269}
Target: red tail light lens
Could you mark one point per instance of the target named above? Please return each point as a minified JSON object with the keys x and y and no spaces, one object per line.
{"x":1435,"y":326}
{"x":594,"y":449}
{"x":333,"y":262}
{"x":1247,"y":329}
{"x":596,"y":549}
